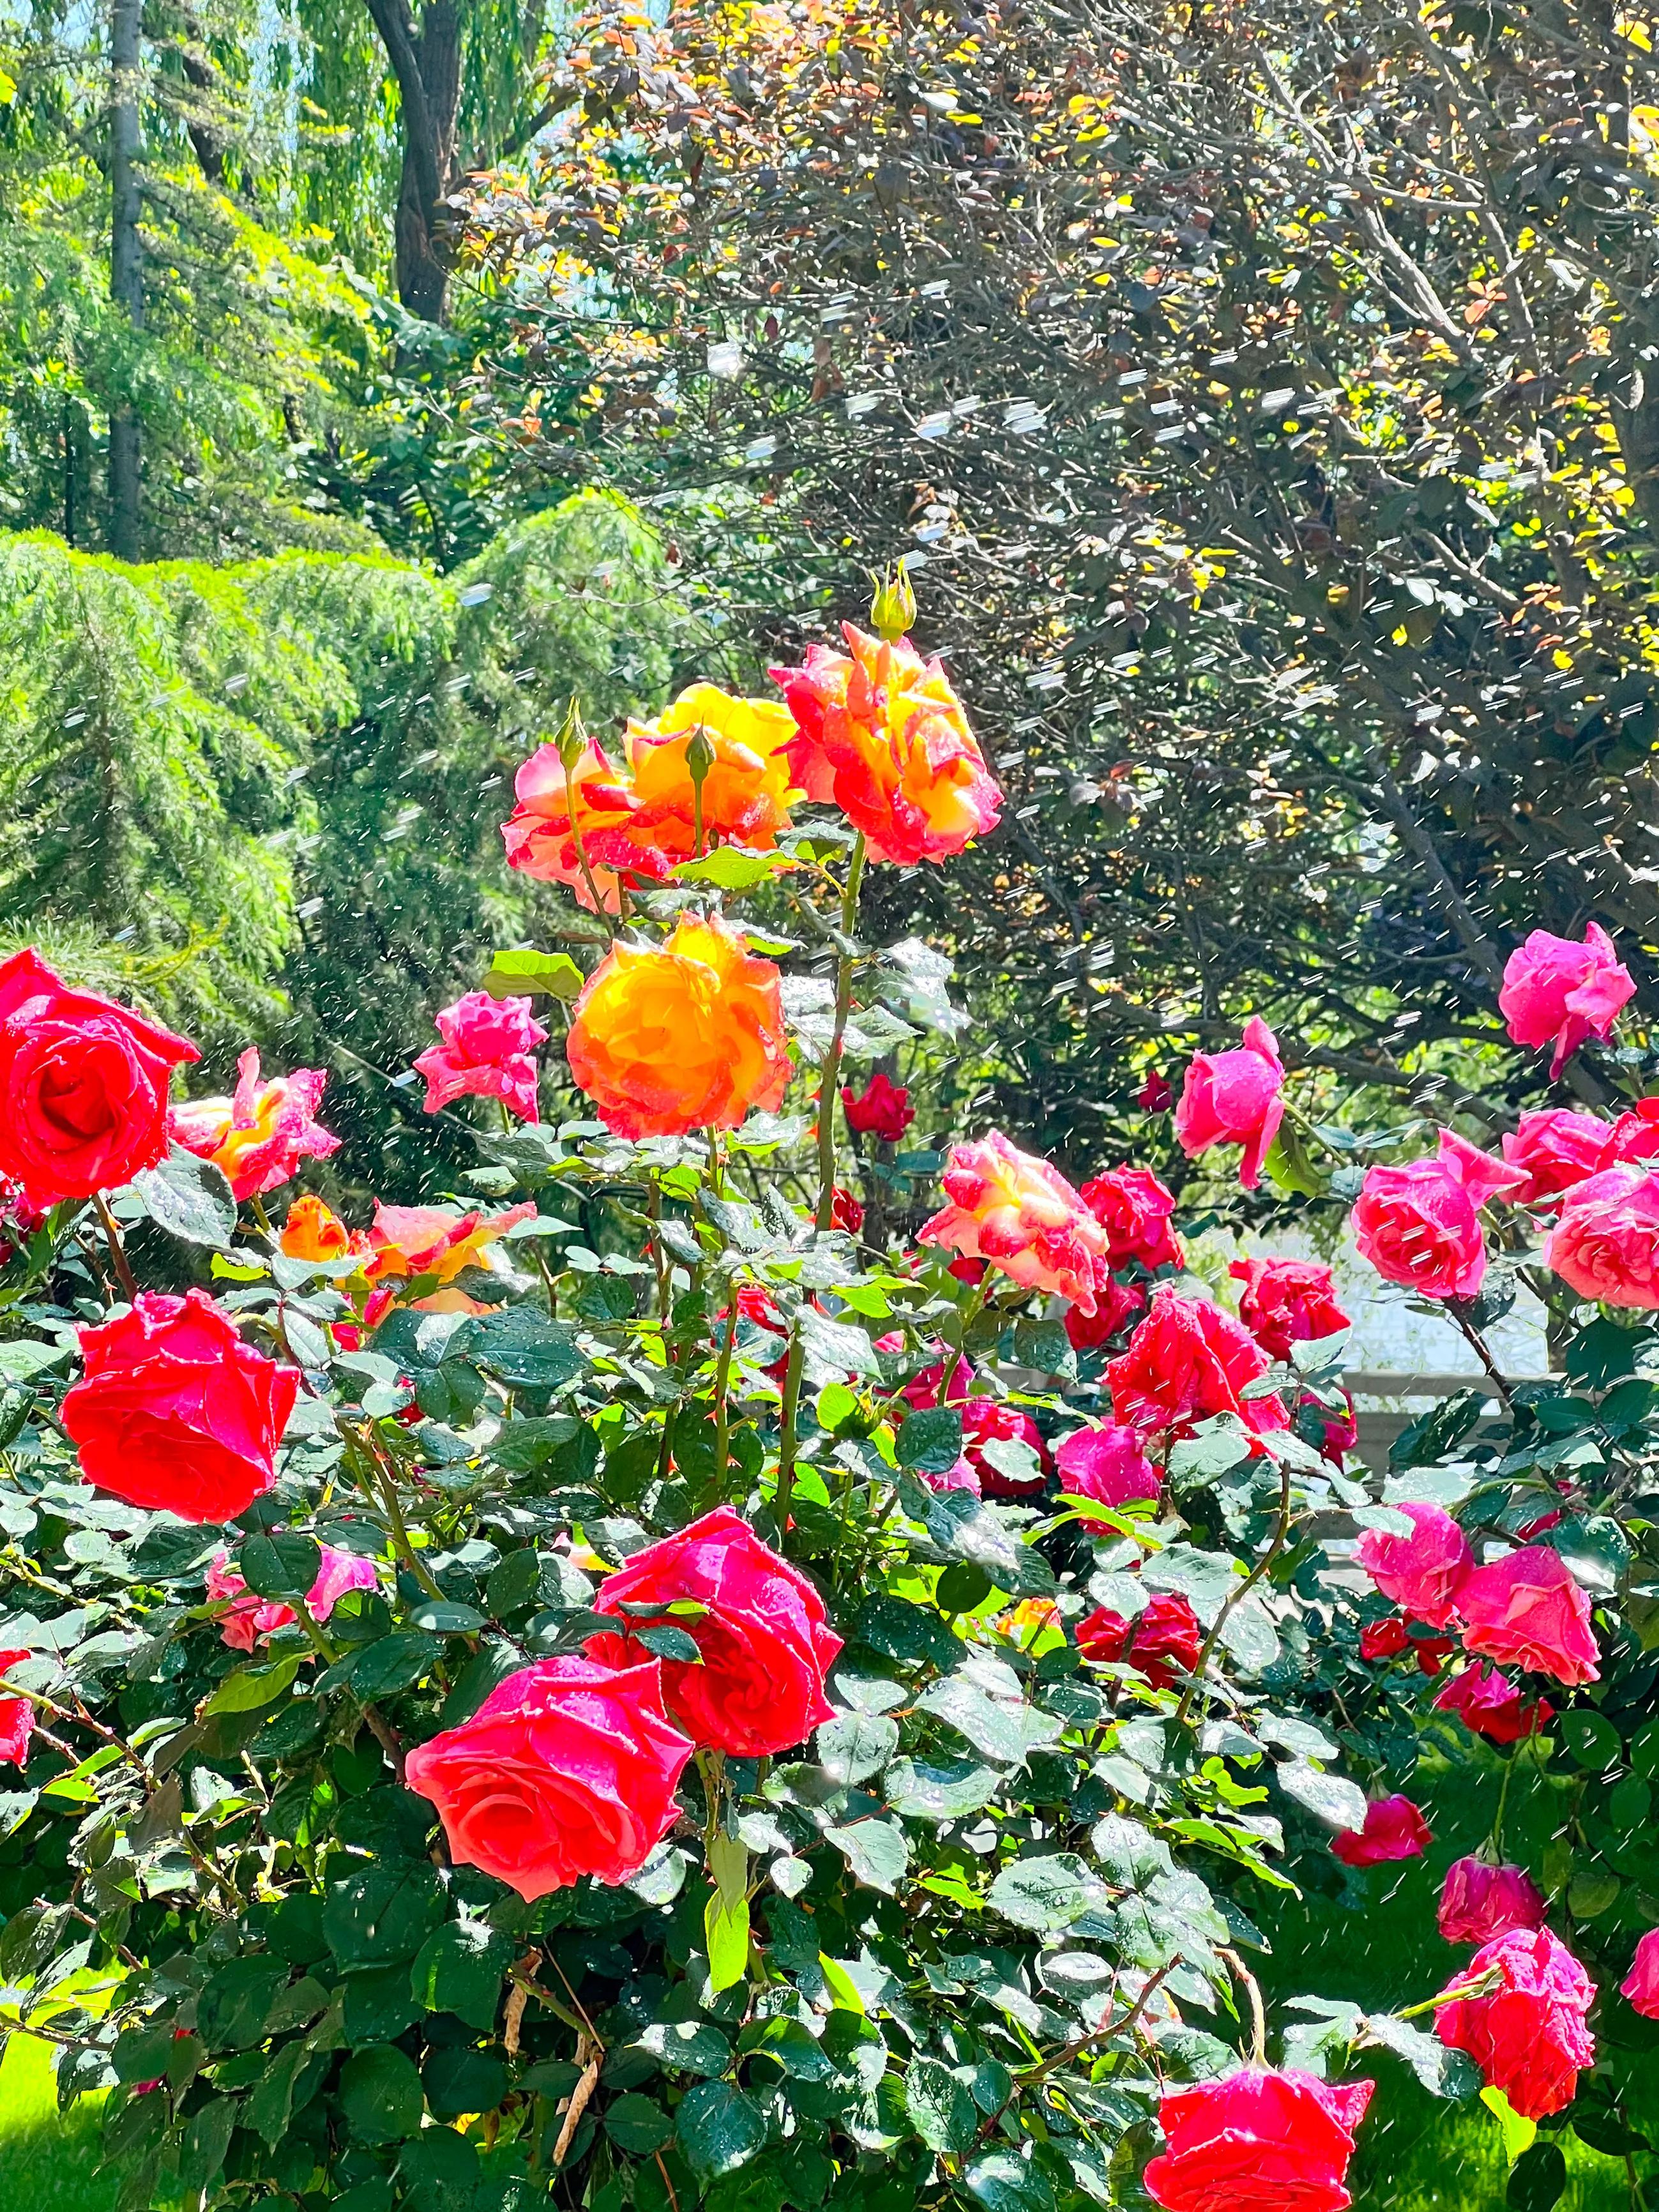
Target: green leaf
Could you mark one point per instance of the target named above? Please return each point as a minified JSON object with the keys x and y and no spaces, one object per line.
{"x":939,"y":1792}
{"x":231,"y":2012}
{"x":732,"y":868}
{"x":876,"y":1853}
{"x":1593,"y":1741}
{"x":720,"y":2128}
{"x":931,"y":1441}
{"x":1519,"y":2133}
{"x":206,"y":2139}
{"x":23,"y":1358}
{"x":281,"y":1564}
{"x":526,"y":1350}
{"x":460,"y":1969}
{"x":392,"y":1663}
{"x":1329,"y":1797}
{"x":191,"y":1198}
{"x":637,"y":2126}
{"x":1443,"y":2072}
{"x":845,"y":1994}
{"x":1289,"y":1166}
{"x":1047,"y":1893}
{"x":250,"y":1688}
{"x":381,"y":2095}
{"x":382,"y":1914}
{"x":855,"y":1746}
{"x":692,"y":2046}
{"x":941,"y":2111}
{"x":521,"y":972}
{"x":1538,"y":2179}
{"x":1003,"y":2183}
{"x":725,"y":1935}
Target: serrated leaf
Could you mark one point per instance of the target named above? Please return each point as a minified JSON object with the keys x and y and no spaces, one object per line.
{"x":521,"y":971}
{"x":720,"y":2128}
{"x":191,"y":1198}
{"x":1329,"y":1797}
{"x":875,"y":1852}
{"x":855,"y":1746}
{"x":941,"y":2110}
{"x":1046,"y":1893}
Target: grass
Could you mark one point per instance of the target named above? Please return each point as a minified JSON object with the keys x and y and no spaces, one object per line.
{"x":47,"y":2164}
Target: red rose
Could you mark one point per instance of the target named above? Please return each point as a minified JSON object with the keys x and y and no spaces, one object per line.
{"x":1480,"y":1900}
{"x":1167,"y":1634}
{"x":1234,"y":1098}
{"x":1187,"y":1360}
{"x":1393,"y":1829}
{"x":1556,"y":1149}
{"x":16,"y":1717}
{"x":1421,"y":1225}
{"x":83,"y":1085}
{"x":1157,"y":1094}
{"x":1423,"y":1572}
{"x":568,"y":1769}
{"x":845,"y":1211}
{"x":1383,"y":1639}
{"x":175,"y":1413}
{"x":764,"y":1635}
{"x":1134,"y":1208}
{"x":1286,"y":1302}
{"x":1526,"y":1610}
{"x":1633,"y":1136}
{"x":1488,"y":1703}
{"x":1116,"y":1304}
{"x":1270,"y":2141}
{"x":1528,"y":2036}
{"x":884,"y":1111}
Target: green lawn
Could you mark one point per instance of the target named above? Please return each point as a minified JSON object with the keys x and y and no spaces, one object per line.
{"x":47,"y":2164}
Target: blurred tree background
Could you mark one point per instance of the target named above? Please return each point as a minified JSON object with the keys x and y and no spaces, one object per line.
{"x":1265,"y":402}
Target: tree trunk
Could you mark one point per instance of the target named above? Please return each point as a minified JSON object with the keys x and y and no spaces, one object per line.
{"x":126,"y":272}
{"x":427,"y":67}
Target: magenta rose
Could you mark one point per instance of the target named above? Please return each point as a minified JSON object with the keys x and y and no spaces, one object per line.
{"x":1234,"y":1098}
{"x":175,"y":1413}
{"x":487,"y":1050}
{"x":83,"y":1085}
{"x":763,"y":1633}
{"x":16,"y":1717}
{"x":1488,"y":1703}
{"x":1554,"y":1150}
{"x":1260,"y":2140}
{"x":251,"y":1616}
{"x":1557,"y":993}
{"x":1420,"y":1225}
{"x":1479,"y":1900}
{"x":1527,"y":2034}
{"x":1526,"y":1610}
{"x":1605,"y":1244}
{"x":1422,"y":1572}
{"x":566,"y":1769}
{"x":1640,"y":1987}
{"x":1109,"y":1463}
{"x":1286,"y":1302}
{"x":1393,"y":1829}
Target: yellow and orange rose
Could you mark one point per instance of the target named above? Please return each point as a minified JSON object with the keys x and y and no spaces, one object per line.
{"x":746,"y":789}
{"x":565,"y":818}
{"x":687,"y":1036}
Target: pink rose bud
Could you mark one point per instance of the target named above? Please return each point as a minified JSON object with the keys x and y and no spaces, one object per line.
{"x":1526,"y":1610}
{"x":1260,"y":2138}
{"x":1557,"y":992}
{"x":1109,"y":1463}
{"x":1527,"y":2034}
{"x":1641,"y":1986}
{"x":1605,"y":1244}
{"x":1423,"y":1572}
{"x":1480,"y":1900}
{"x":1393,"y":1829}
{"x":1420,"y":1225}
{"x":1234,"y":1098}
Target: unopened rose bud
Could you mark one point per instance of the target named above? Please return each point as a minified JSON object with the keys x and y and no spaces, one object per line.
{"x":572,"y":739}
{"x":893,"y":609}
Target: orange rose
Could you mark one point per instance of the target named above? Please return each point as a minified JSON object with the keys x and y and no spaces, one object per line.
{"x":314,"y":1231}
{"x":884,"y":736}
{"x":541,"y":837}
{"x":434,"y":1240}
{"x":689,"y":1036}
{"x":745,"y":792}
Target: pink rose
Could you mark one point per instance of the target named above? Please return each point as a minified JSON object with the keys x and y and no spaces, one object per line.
{"x":1134,"y":1208}
{"x":1419,"y":1224}
{"x":1234,"y":1098}
{"x":1558,"y":991}
{"x":1109,"y":1463}
{"x":1528,"y":2036}
{"x":1286,"y":1302}
{"x":1393,"y":1829}
{"x":1488,"y":1703}
{"x":259,"y":1136}
{"x":1605,"y":1244}
{"x":251,"y":1616}
{"x":488,"y":1051}
{"x":1424,"y":1571}
{"x":1554,"y":1150}
{"x":1020,"y":1214}
{"x":1480,"y":1900}
{"x":566,"y":1769}
{"x":763,"y":1634}
{"x":1526,"y":1610}
{"x":1634,"y":1135}
{"x":1258,"y":2140}
{"x":1641,"y":1986}
{"x":16,"y":1717}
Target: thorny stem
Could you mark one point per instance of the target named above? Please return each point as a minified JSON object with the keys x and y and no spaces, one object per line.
{"x":830,"y":1072}
{"x":1483,"y":1353}
{"x":1040,"y":2072}
{"x":1241,"y":1591}
{"x":722,"y":1389}
{"x":1258,"y":2015}
{"x":394,"y":1513}
{"x":118,"y":1258}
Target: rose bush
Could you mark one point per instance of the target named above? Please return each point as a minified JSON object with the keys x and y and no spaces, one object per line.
{"x":654,"y":1679}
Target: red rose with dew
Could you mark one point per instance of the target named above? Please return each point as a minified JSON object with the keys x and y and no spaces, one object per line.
{"x":566,"y":1769}
{"x":1479,"y":1900}
{"x":1260,"y":2140}
{"x":1135,"y":1210}
{"x":1527,"y":2032}
{"x":1286,"y":1302}
{"x":1234,"y":1098}
{"x":1157,"y":1094}
{"x":258,"y":1137}
{"x":83,"y":1085}
{"x":1420,"y":1226}
{"x":16,"y":1716}
{"x":175,"y":1413}
{"x":1166,"y":1635}
{"x":1554,"y":1150}
{"x":1606,"y":1243}
{"x":1109,"y":1463}
{"x":1382,"y":1640}
{"x":1640,"y":1987}
{"x":251,"y":1616}
{"x":882,"y":1110}
{"x":763,"y":1633}
{"x":1422,"y":1571}
{"x":1186,"y":1361}
{"x":486,"y":1049}
{"x":1558,"y":993}
{"x":1393,"y":1829}
{"x":1488,"y":1703}
{"x":1022,"y":1215}
{"x":1116,"y":1305}
{"x":845,"y":1211}
{"x":1526,"y":1610}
